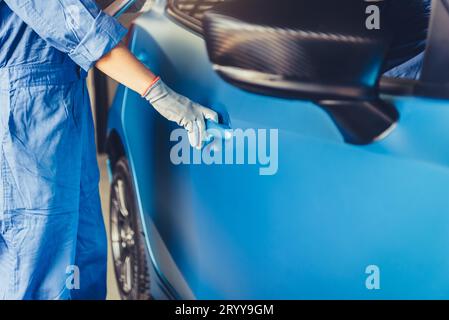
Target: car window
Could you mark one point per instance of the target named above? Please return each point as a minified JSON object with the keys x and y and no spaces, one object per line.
{"x":410,"y":25}
{"x":191,"y":12}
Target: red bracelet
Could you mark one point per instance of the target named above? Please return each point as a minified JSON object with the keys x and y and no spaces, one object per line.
{"x":151,"y":84}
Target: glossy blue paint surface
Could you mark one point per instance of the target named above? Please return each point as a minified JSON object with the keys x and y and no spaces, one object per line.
{"x":332,"y":209}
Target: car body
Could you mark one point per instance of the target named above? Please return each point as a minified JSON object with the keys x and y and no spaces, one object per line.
{"x":316,"y":228}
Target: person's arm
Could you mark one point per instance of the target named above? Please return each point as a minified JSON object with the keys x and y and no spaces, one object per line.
{"x":121,"y":65}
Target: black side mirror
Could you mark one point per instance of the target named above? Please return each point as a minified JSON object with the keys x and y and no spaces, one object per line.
{"x":319,"y":50}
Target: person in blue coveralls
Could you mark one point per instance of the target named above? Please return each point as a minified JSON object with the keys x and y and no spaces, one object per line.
{"x":50,"y":214}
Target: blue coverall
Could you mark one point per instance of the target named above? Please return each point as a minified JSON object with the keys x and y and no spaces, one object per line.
{"x":51,"y":226}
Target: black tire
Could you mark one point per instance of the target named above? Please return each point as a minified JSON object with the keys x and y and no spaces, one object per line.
{"x":129,"y":252}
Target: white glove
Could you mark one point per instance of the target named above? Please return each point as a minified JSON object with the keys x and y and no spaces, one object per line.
{"x":181,"y":110}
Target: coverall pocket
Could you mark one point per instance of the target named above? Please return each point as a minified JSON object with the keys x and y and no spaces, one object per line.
{"x":36,"y":252}
{"x":43,"y":146}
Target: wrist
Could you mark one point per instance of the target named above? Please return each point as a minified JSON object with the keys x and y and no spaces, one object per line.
{"x":148,"y":88}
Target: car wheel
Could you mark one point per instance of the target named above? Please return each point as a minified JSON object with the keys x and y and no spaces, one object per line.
{"x":129,"y":252}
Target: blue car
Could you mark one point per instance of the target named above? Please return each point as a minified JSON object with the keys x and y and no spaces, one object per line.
{"x":349,"y":198}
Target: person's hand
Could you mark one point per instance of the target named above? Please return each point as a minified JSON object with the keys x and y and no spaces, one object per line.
{"x":181,"y":110}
